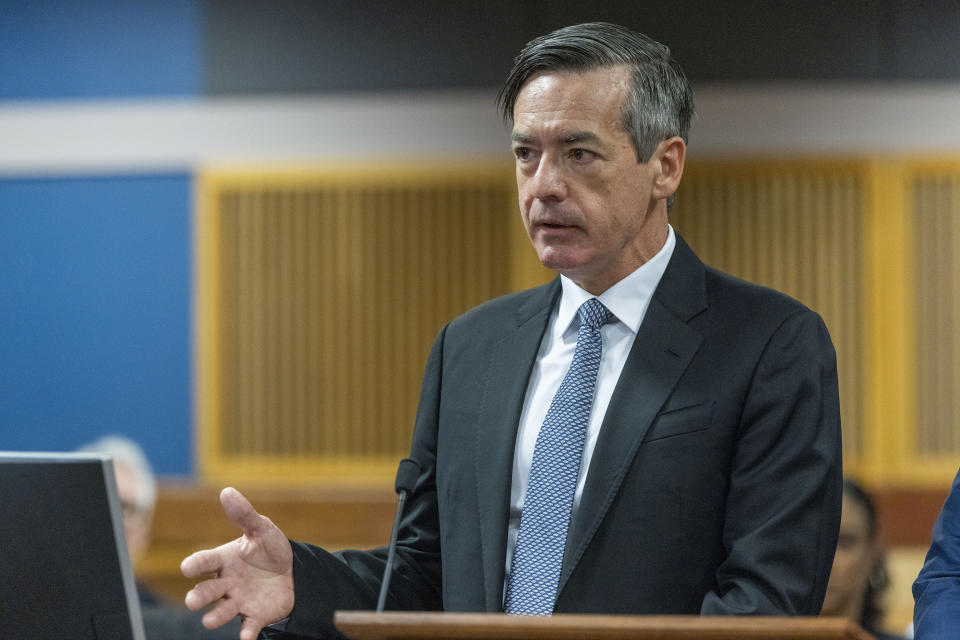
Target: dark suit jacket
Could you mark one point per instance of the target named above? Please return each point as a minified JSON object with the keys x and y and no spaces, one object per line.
{"x":936,"y":591}
{"x":714,"y":488}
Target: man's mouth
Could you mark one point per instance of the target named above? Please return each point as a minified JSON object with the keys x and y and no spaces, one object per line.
{"x":553,"y":222}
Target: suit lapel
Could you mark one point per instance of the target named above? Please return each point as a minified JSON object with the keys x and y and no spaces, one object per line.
{"x":661,"y":352}
{"x":508,"y":372}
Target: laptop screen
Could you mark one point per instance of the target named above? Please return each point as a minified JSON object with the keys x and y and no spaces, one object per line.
{"x":63,"y":555}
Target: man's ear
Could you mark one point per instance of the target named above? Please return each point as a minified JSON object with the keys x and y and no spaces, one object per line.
{"x":668,"y":159}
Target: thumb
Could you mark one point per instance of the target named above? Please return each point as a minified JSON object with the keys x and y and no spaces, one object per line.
{"x":240,"y":511}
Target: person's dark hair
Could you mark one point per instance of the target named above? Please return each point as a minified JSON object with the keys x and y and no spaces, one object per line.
{"x":872,"y":616}
{"x":660,"y":103}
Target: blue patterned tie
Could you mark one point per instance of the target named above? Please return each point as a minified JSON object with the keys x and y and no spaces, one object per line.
{"x":538,"y":554}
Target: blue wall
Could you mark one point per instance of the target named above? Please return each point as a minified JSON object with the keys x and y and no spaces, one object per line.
{"x":99,"y":48}
{"x":95,"y":289}
{"x":95,"y":275}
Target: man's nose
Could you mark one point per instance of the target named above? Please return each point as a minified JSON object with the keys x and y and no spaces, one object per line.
{"x":548,"y":183}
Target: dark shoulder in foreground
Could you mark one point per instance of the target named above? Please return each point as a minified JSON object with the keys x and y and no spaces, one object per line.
{"x":511,"y":309}
{"x":696,"y":293}
{"x":725,"y":290}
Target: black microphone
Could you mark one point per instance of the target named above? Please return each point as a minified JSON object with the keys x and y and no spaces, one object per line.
{"x":407,"y":474}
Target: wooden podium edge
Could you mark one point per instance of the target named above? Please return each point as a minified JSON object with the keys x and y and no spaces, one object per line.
{"x":395,"y":625}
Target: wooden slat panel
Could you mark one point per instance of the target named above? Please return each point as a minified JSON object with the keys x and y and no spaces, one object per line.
{"x":936,"y":207}
{"x":331,"y":286}
{"x":328,"y":287}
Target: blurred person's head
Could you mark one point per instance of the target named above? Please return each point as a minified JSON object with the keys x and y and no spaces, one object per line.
{"x":859,"y":573}
{"x":136,"y":487}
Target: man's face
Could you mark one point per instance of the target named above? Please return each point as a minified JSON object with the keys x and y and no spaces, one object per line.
{"x":586,"y":202}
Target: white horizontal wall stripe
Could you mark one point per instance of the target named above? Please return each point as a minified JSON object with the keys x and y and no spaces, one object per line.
{"x":808,"y":119}
{"x":133,"y":135}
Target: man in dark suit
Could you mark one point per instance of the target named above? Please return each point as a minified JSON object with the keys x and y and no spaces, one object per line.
{"x":705,"y":471}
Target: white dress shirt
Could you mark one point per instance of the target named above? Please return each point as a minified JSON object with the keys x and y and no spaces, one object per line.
{"x":627,"y":300}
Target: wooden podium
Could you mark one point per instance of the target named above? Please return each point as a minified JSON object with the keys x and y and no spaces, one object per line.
{"x":392,"y":625}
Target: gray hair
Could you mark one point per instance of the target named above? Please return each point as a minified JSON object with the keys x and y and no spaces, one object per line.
{"x":660,"y":103}
{"x":128,"y":452}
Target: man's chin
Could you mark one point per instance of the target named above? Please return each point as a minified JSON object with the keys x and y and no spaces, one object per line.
{"x":560,"y":260}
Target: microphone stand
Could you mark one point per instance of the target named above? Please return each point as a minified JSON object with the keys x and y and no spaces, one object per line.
{"x":407,"y":473}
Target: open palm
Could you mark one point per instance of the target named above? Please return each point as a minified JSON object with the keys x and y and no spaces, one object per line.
{"x":253,"y":575}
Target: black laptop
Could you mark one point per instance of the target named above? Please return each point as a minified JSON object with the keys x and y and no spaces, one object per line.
{"x":64,"y":567}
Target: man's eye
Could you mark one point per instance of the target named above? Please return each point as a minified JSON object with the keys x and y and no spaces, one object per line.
{"x":581,"y":155}
{"x":522,"y":153}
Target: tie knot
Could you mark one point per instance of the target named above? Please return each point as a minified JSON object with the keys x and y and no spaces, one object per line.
{"x":593,"y":314}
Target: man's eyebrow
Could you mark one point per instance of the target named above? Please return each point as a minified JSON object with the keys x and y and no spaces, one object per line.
{"x":521,"y":138}
{"x":570,"y":138}
{"x":581,"y":136}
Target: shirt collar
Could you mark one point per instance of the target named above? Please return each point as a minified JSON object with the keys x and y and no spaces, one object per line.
{"x":627,"y":300}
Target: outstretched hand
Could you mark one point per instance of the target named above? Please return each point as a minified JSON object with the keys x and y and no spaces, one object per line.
{"x":253,"y":574}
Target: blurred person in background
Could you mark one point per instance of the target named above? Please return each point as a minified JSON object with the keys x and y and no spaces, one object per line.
{"x":859,"y":576}
{"x":137,"y":490}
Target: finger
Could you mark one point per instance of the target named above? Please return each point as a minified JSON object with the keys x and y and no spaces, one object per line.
{"x":220,"y":615}
{"x":206,"y":592}
{"x":250,"y":629}
{"x":240,"y":511}
{"x":206,"y":561}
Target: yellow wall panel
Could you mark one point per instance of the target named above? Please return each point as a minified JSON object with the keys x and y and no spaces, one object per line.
{"x":319,"y":291}
{"x":933,"y":206}
{"x":319,"y":295}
